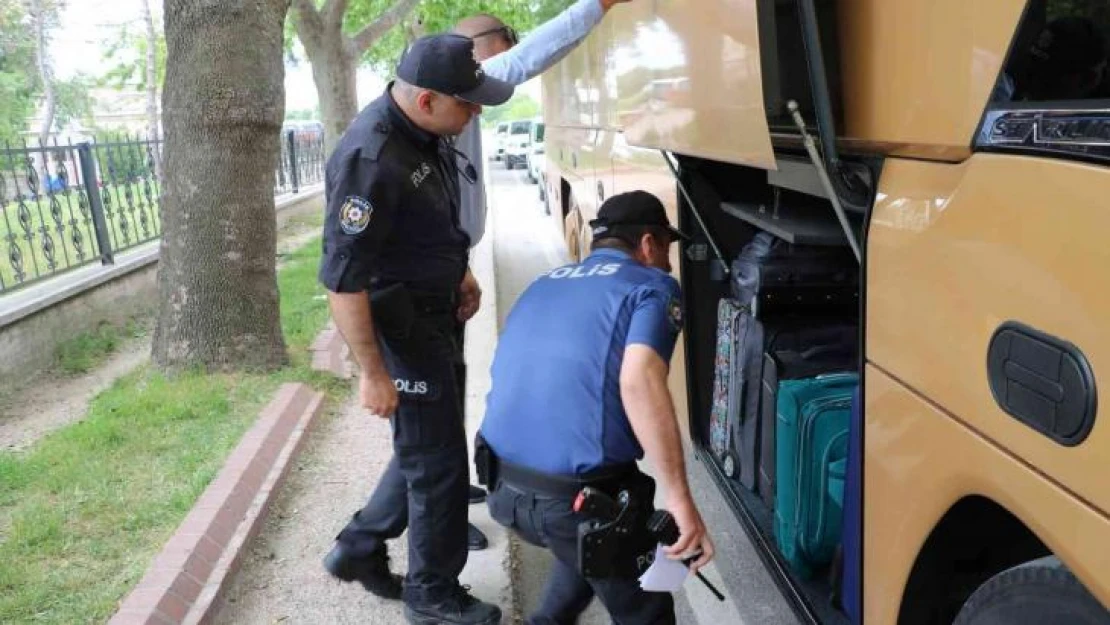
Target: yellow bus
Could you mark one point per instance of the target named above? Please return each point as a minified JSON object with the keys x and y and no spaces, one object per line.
{"x":958,"y":151}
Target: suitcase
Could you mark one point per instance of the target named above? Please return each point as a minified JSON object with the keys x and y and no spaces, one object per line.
{"x":793,"y":354}
{"x":727,"y":311}
{"x":811,"y":447}
{"x":771,"y":278}
{"x":852,"y":540}
{"x":779,"y":278}
{"x":733,"y":422}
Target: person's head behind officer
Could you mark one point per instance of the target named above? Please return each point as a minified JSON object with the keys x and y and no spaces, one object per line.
{"x":636,"y":222}
{"x":441,"y":87}
{"x":491,"y":36}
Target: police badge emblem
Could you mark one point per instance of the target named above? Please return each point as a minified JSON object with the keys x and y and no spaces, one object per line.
{"x":355,"y":214}
{"x":674,"y":308}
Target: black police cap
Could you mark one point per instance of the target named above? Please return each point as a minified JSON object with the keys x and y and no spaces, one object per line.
{"x":445,"y":63}
{"x":634,"y":208}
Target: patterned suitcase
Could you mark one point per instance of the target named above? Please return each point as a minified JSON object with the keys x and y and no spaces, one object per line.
{"x":734,"y":412}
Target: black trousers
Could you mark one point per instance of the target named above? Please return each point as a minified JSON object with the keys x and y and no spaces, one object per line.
{"x":424,"y":487}
{"x":551,"y":523}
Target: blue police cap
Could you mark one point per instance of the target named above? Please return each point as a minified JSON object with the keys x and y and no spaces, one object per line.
{"x":445,"y":63}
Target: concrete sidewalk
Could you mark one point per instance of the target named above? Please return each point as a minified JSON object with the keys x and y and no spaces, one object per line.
{"x":282,"y":579}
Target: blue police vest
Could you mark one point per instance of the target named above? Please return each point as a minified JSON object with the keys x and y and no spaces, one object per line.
{"x":554,"y":405}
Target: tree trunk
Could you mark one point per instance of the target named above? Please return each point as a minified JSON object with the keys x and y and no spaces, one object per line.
{"x":335,"y":73}
{"x":38,"y":15}
{"x":223,"y":103}
{"x":335,"y":58}
{"x":152,"y":84}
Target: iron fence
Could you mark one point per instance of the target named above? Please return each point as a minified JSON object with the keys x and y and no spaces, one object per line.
{"x":302,"y":160}
{"x":64,"y":206}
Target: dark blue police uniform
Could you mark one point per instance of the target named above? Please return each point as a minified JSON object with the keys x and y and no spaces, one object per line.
{"x":555,"y":409}
{"x":392,"y":231}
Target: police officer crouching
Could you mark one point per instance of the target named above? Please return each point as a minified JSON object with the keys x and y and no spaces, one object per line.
{"x":393,"y":263}
{"x":579,"y":394}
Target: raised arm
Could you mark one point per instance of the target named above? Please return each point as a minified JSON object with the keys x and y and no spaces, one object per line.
{"x":549,"y":43}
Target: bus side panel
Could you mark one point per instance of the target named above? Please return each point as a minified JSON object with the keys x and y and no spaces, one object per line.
{"x":921,"y":90}
{"x":919,"y":462}
{"x":685,"y":75}
{"x":956,"y":251}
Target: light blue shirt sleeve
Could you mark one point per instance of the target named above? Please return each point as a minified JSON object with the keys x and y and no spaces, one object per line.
{"x":546,"y":45}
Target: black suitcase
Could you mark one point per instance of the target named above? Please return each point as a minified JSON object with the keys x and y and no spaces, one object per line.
{"x":778,"y":278}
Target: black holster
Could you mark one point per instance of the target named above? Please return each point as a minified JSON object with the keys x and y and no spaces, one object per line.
{"x":393,"y":310}
{"x":624,"y":546}
{"x":485,"y":463}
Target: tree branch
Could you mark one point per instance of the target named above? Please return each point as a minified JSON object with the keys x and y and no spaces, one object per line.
{"x":374,"y":30}
{"x":333,"y":11}
{"x":309,"y":22}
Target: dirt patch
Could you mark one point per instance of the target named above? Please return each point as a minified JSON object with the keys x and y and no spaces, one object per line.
{"x":51,"y":402}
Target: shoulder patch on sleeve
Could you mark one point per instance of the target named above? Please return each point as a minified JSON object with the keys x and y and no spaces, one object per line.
{"x":674,"y":312}
{"x":354,"y":215}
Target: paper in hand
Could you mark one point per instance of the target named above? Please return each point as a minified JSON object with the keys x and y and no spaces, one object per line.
{"x":664,"y":574}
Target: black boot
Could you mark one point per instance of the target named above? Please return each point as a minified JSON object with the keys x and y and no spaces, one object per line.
{"x":477,"y":494}
{"x":460,"y":608}
{"x":475,"y":539}
{"x":371,"y":571}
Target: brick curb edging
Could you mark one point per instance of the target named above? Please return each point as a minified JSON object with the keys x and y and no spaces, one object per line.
{"x":330,"y":353}
{"x":186,"y":579}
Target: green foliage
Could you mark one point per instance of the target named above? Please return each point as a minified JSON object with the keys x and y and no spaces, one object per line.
{"x":436,"y":16}
{"x":126,"y":56}
{"x":520,"y":106}
{"x":72,"y":100}
{"x":18,"y":77}
{"x":303,"y":114}
{"x":441,"y":15}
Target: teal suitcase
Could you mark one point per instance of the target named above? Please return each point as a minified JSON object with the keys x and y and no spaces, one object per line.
{"x":811,"y":449}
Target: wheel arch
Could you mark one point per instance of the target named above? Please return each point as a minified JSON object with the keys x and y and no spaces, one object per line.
{"x":976,"y":539}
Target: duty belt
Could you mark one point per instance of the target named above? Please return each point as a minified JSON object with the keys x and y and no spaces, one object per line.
{"x":607,"y":479}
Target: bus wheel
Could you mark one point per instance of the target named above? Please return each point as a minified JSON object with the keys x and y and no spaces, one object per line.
{"x":1041,"y":591}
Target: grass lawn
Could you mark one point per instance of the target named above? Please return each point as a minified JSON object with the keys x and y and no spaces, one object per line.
{"x":84,"y":352}
{"x":84,"y":510}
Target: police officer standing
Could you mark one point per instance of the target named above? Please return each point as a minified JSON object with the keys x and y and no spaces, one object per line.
{"x":579,"y":394}
{"x":393,"y":263}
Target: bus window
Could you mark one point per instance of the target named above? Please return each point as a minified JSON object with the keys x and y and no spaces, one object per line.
{"x":1061,"y":55}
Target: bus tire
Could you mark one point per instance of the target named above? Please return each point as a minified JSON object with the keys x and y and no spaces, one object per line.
{"x":1040,"y":591}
